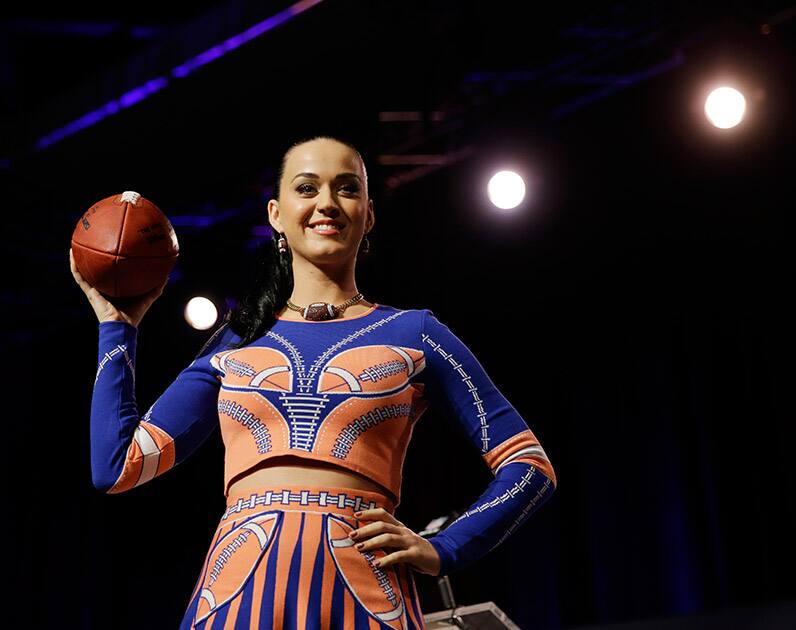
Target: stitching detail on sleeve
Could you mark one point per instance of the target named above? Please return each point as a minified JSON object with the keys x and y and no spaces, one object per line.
{"x":109,"y":356}
{"x":517,"y":489}
{"x":466,"y":379}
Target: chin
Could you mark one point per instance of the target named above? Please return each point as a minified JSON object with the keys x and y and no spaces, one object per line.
{"x":329,"y":253}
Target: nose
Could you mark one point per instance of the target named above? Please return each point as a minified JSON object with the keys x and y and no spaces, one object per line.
{"x":325,"y":200}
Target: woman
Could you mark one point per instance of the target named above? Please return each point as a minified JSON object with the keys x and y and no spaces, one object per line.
{"x":316,"y":391}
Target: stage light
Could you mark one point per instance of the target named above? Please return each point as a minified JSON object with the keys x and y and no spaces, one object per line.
{"x":201,"y":313}
{"x":506,"y":189}
{"x":725,"y":107}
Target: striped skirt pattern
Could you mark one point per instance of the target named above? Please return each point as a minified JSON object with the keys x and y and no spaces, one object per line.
{"x":281,"y":557}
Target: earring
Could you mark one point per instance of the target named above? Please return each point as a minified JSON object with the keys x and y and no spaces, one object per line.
{"x":366,"y":243}
{"x":282,"y":244}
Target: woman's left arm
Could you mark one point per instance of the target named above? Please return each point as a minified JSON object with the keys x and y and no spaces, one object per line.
{"x":524,"y":478}
{"x":515,"y":493}
{"x":457,"y":384}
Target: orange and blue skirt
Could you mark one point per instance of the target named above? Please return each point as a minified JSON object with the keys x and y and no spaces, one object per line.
{"x":281,"y":557}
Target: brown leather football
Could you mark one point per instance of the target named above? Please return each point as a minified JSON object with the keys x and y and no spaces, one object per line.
{"x":124,"y":245}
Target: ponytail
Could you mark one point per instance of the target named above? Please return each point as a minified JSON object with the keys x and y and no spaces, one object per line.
{"x":254,"y":315}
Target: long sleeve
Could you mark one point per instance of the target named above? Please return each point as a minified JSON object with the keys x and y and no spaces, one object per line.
{"x":457,"y":384}
{"x":127,"y":451}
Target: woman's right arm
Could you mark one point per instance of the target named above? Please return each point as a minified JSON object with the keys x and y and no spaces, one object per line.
{"x":128,"y":450}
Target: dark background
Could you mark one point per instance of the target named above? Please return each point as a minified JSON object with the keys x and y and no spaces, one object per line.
{"x":636,"y":309}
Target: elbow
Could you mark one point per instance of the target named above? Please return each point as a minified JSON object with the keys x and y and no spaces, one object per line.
{"x":114,"y":472}
{"x":124,"y":477}
{"x":550,"y":473}
{"x":106,"y":487}
{"x":539,"y":466}
{"x":553,"y":479}
{"x":104,"y":480}
{"x":102,"y":484}
{"x":545,"y":468}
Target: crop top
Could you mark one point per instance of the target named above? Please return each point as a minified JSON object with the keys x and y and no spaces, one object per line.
{"x":343,"y":391}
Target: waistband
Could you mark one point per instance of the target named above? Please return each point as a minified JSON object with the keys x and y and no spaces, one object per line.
{"x":307,"y":498}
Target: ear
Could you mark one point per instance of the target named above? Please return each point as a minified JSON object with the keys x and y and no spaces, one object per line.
{"x":371,"y":217}
{"x":273,"y":216}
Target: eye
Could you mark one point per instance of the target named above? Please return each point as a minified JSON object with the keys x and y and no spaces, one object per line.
{"x":303,"y":188}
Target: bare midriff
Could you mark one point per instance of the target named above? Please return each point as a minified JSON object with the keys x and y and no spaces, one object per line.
{"x":282,"y":469}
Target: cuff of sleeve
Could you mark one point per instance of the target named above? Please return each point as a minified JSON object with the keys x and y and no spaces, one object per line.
{"x":117,"y":328}
{"x":446,"y":557}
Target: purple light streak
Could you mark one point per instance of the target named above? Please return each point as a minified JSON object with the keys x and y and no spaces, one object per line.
{"x":238,"y":40}
{"x":156,"y":85}
{"x":109,"y":109}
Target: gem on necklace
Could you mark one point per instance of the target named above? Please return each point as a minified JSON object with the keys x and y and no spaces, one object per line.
{"x":320,"y":311}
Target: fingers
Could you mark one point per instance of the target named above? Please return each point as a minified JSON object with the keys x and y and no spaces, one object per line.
{"x":399,"y":543}
{"x":379,"y":534}
{"x":394,"y":545}
{"x":402,"y":555}
{"x":76,"y":274}
{"x":389,"y":539}
{"x":72,"y":265}
{"x":405,"y":547}
{"x":373,"y":528}
{"x":78,"y":278}
{"x":382,"y":521}
{"x":87,"y":288}
{"x":377,"y":513}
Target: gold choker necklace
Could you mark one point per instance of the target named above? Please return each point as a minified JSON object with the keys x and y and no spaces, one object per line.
{"x":321,"y":311}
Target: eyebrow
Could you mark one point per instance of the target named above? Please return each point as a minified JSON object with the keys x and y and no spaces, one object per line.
{"x":314,"y":176}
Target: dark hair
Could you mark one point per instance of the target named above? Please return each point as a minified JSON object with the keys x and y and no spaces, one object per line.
{"x":254,"y":315}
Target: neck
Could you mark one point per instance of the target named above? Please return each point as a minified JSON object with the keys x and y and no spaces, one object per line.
{"x":317,"y":284}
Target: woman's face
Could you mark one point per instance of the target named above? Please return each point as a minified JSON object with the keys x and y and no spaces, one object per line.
{"x":322,"y":180}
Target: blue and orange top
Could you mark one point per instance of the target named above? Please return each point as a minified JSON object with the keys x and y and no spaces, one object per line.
{"x":344,"y":391}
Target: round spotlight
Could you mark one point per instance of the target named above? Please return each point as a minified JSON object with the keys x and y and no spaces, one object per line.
{"x":725,"y":107}
{"x":506,"y":189}
{"x":201,"y":313}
